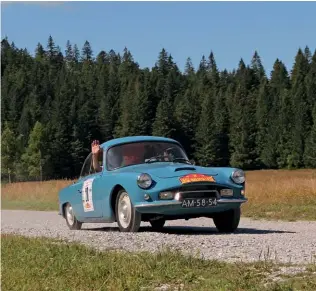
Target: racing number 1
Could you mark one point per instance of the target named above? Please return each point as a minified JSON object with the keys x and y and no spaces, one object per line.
{"x":87,"y":194}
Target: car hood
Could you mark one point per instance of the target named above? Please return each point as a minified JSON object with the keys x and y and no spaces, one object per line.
{"x":169,"y":170}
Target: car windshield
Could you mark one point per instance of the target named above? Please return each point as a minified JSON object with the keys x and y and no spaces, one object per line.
{"x":144,"y":152}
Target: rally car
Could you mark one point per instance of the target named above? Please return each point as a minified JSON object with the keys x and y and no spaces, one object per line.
{"x":148,"y":178}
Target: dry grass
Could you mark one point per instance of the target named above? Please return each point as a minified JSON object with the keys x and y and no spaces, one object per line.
{"x":275,"y":194}
{"x":32,"y":195}
{"x":281,"y":194}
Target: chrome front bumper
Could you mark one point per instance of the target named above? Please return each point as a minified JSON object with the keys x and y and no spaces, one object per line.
{"x":170,"y":203}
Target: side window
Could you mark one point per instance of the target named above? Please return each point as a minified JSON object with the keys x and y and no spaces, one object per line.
{"x":87,"y":166}
{"x":114,"y":157}
{"x":100,"y":162}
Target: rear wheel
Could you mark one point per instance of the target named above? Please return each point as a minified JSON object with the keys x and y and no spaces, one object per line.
{"x":227,"y":221}
{"x":128,"y":219}
{"x":71,"y":219}
{"x":158,"y":223}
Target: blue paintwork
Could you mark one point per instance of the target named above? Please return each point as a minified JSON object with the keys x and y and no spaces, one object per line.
{"x":163,"y":174}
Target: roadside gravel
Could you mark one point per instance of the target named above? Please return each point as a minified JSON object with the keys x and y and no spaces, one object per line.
{"x":284,"y":242}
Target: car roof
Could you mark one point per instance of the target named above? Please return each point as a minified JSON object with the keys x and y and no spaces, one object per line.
{"x":128,"y":139}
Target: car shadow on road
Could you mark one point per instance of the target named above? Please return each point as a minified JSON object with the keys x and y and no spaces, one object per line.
{"x":191,"y":230}
{"x":198,"y":230}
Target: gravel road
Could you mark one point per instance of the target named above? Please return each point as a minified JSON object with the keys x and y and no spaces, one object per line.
{"x":282,"y":241}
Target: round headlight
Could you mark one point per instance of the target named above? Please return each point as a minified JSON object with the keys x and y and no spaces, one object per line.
{"x":144,"y":181}
{"x":238,"y":176}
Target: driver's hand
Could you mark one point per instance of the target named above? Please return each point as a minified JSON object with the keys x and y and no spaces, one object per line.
{"x":95,"y":147}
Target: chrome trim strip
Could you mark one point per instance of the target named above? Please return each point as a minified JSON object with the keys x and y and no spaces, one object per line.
{"x":233,"y":200}
{"x":199,"y":191}
{"x":164,"y":203}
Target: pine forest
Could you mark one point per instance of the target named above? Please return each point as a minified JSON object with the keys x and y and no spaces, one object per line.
{"x":55,"y":102}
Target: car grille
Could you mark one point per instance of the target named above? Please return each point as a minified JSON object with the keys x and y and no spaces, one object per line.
{"x":200,"y":187}
{"x":199,"y":191}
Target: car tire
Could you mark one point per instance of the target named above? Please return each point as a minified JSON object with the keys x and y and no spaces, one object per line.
{"x":157,"y":224}
{"x":227,"y":222}
{"x":128,"y":219}
{"x":71,"y":219}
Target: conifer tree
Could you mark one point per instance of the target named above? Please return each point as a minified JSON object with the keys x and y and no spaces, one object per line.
{"x":164,"y":124}
{"x":264,"y":140}
{"x":310,"y":82}
{"x":105,"y":106}
{"x":8,"y":151}
{"x":205,"y":142}
{"x":257,"y":67}
{"x":278,"y":90}
{"x":140,"y":120}
{"x":301,"y":118}
{"x":33,"y":158}
{"x":243,"y":121}
{"x":310,"y":147}
{"x":87,"y":53}
{"x":221,"y":130}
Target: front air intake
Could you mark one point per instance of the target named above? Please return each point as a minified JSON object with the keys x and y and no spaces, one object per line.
{"x":185,"y":169}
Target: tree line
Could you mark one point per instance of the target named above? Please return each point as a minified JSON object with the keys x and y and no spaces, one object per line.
{"x":54,"y":104}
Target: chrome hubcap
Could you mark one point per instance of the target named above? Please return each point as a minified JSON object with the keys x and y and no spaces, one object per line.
{"x":124,"y":210}
{"x":70,"y":215}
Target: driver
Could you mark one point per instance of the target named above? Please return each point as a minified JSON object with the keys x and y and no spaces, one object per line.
{"x":96,"y":151}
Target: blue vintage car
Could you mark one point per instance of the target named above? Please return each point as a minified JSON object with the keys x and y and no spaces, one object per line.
{"x":148,"y":178}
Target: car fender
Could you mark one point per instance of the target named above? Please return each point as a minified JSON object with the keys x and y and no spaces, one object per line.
{"x":64,"y":197}
{"x":126,"y":181}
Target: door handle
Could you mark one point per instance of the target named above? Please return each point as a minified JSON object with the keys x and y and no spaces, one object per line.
{"x":80,"y":191}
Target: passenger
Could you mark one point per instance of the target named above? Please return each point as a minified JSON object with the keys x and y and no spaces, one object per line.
{"x":132,"y":154}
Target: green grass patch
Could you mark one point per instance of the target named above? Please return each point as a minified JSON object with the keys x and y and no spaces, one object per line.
{"x":43,"y":264}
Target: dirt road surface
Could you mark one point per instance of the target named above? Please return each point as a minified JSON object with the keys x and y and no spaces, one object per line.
{"x":254,"y":240}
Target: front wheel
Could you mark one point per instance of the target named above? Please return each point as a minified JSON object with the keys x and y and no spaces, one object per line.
{"x":128,"y":219}
{"x":71,"y":219}
{"x":227,"y":221}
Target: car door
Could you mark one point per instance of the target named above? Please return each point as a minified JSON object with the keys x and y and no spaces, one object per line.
{"x":87,"y":202}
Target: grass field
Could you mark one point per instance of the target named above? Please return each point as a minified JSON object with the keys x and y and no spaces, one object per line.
{"x":279,"y":194}
{"x":43,"y":264}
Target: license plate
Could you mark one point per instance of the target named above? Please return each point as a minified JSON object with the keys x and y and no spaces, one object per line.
{"x":198,"y":202}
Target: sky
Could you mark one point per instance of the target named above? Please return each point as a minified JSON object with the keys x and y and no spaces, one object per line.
{"x":232,"y":30}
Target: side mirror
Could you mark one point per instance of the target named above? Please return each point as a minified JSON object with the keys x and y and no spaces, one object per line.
{"x":192,"y":162}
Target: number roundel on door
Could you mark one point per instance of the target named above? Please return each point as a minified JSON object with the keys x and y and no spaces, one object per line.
{"x":87,"y":195}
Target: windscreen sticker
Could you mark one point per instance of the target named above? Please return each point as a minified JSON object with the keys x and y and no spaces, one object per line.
{"x":87,"y":196}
